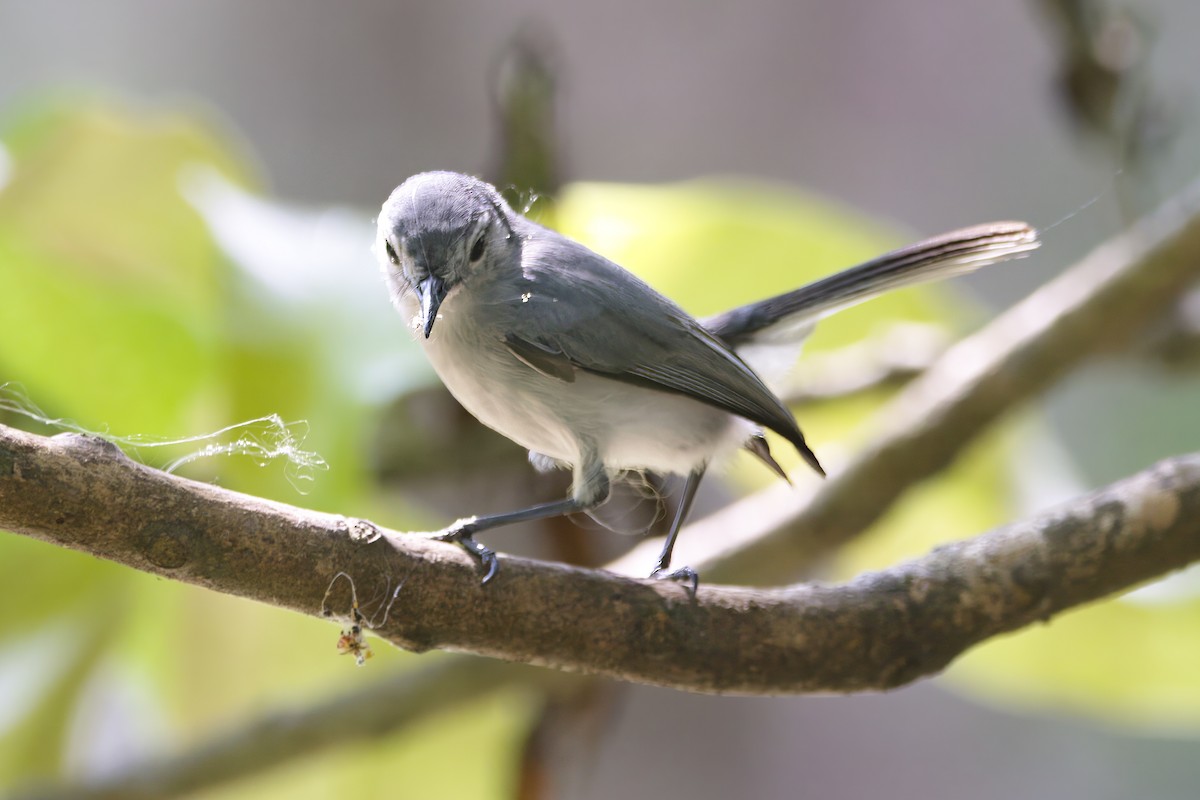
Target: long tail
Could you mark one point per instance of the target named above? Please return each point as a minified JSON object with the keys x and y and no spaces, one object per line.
{"x":792,"y":315}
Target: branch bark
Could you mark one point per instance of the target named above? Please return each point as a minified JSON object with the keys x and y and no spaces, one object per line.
{"x":878,"y":631}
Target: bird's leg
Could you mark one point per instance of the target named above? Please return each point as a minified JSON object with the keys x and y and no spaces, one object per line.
{"x":590,"y":490}
{"x":463,"y":532}
{"x":685,"y":575}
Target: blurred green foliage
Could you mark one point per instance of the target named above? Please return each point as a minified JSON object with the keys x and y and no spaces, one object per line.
{"x":133,"y":321}
{"x":126,"y":313}
{"x":104,"y":260}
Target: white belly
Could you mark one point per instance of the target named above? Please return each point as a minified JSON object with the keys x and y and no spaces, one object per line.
{"x":630,"y":426}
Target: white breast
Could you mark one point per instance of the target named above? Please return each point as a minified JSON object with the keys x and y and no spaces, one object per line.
{"x":632,"y":427}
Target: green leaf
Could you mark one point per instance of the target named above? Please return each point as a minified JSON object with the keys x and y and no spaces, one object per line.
{"x":106,"y":271}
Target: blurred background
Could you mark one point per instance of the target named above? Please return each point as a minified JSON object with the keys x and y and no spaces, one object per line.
{"x":187,"y":194}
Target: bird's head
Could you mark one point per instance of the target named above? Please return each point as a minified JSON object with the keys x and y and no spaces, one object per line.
{"x":438,"y":231}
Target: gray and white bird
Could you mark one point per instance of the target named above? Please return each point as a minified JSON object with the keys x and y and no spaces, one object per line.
{"x":580,"y":361}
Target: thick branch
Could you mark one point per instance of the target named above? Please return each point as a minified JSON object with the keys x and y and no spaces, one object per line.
{"x":921,"y":616}
{"x":878,"y":631}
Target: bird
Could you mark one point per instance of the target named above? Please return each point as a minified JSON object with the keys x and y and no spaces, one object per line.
{"x":589,"y":368}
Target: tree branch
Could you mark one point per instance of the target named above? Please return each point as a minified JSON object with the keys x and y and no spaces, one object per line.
{"x":82,"y":493}
{"x":888,"y":360}
{"x":878,"y":631}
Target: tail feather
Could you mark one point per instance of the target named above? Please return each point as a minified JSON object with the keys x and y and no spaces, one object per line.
{"x":956,"y":253}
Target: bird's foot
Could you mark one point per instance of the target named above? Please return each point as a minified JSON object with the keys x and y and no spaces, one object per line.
{"x":462,"y":533}
{"x":685,"y":575}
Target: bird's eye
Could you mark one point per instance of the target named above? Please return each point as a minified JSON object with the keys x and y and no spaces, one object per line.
{"x":391,"y":253}
{"x":477,"y":248}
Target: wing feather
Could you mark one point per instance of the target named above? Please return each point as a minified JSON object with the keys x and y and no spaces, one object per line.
{"x":604,"y":320}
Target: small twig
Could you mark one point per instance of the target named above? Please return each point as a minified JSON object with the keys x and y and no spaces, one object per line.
{"x":897,"y":356}
{"x":347,"y":718}
{"x":1105,"y":51}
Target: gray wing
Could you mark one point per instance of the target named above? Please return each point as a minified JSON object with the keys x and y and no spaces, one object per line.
{"x":581,"y":311}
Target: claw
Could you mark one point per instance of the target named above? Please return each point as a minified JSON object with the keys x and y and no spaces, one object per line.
{"x":460,"y":533}
{"x":685,"y":575}
{"x":491,"y":564}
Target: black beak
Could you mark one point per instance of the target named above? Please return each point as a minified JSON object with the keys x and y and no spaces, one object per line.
{"x":431,"y":291}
